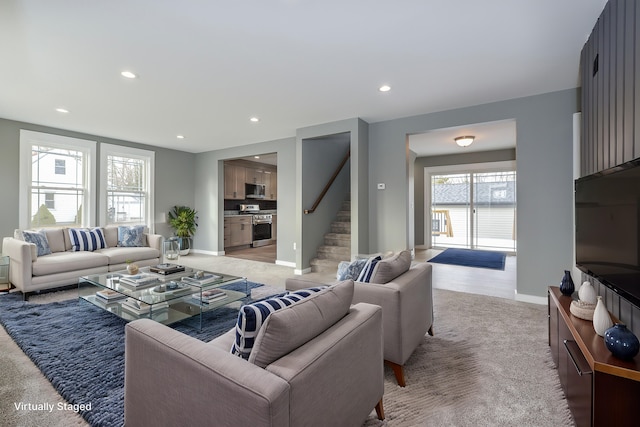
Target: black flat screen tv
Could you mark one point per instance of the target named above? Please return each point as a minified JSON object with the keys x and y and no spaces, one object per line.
{"x":607,"y":210}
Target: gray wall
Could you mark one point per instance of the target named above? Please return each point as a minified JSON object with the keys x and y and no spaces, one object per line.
{"x":544,"y":153}
{"x":447,"y":160}
{"x":210,"y":187}
{"x":174,"y":174}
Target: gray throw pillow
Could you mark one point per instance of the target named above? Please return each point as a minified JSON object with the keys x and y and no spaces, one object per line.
{"x":390,"y":268}
{"x":287,"y":329}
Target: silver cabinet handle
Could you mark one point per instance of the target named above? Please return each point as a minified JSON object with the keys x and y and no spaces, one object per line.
{"x":573,"y":359}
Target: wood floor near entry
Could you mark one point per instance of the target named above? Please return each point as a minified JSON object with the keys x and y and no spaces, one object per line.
{"x":262,"y":253}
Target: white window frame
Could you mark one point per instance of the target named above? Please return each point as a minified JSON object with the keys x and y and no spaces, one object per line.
{"x":30,"y":138}
{"x":148,"y":156}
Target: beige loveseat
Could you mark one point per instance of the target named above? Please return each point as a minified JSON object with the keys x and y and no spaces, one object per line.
{"x":317,"y":362}
{"x":30,"y":273}
{"x":405,"y":294}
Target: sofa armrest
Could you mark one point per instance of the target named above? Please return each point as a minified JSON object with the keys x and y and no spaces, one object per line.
{"x":21,"y":256}
{"x":155,"y":241}
{"x":337,"y":378}
{"x":407,"y":309}
{"x":174,"y":379}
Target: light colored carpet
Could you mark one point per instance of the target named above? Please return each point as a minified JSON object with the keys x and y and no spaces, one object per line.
{"x":488,"y":364}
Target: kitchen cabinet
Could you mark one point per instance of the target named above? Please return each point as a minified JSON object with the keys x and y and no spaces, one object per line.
{"x":270,"y":185}
{"x":255,"y":176}
{"x":237,"y":231}
{"x":234,"y":180}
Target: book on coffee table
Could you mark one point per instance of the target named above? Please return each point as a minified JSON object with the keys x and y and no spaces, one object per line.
{"x":138,"y":280}
{"x":166,"y":268}
{"x":132,"y":305}
{"x":202,"y":280}
{"x":210,"y":296}
{"x":110,"y":295}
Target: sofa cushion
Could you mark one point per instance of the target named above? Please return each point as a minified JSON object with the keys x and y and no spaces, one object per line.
{"x":389,"y":268}
{"x":39,"y":239}
{"x":118,"y":255}
{"x":367,"y":271}
{"x":62,"y":262}
{"x":55,"y":237}
{"x":132,"y":236}
{"x":87,"y":240}
{"x":251,"y":317}
{"x":111,"y":236}
{"x":287,"y":329}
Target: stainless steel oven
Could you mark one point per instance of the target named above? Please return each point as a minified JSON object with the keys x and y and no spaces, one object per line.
{"x":261,"y":225}
{"x":262,"y":229}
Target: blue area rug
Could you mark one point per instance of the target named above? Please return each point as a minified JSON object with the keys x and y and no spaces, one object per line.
{"x":80,"y":348}
{"x":471,"y":258}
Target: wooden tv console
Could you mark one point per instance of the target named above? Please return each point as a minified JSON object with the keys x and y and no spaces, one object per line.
{"x":601,"y":389}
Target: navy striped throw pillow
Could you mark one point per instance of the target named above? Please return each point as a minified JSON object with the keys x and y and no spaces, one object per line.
{"x":87,"y":240}
{"x":252,"y":316}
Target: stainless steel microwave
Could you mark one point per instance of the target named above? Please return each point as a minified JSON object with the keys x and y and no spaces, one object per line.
{"x":254,"y":191}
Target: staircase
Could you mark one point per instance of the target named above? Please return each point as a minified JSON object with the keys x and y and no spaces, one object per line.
{"x":337,"y":243}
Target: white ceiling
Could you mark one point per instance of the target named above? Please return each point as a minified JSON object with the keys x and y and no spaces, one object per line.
{"x":489,"y":136}
{"x":205,"y":67}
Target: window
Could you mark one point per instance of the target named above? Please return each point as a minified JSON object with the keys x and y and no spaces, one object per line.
{"x":126,"y":185}
{"x":61,"y":167}
{"x":49,"y":200}
{"x":41,"y":156}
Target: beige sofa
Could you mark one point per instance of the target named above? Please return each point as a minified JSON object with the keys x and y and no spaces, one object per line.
{"x":30,"y":273}
{"x":305,"y":369}
{"x":405,"y":294}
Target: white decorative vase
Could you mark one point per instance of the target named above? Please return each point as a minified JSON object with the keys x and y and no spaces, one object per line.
{"x":132,"y":269}
{"x":587,"y":293}
{"x":601,"y":319}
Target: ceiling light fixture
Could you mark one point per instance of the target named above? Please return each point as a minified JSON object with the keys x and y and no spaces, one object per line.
{"x":180,"y":136}
{"x":464,"y":141}
{"x":128,"y":74}
{"x":254,"y":119}
{"x":62,"y":110}
{"x":384,"y":88}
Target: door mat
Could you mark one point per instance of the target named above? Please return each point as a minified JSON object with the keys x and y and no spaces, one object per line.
{"x":471,"y":258}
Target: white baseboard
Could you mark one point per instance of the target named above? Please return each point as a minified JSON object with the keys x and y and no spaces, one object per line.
{"x":531,"y":298}
{"x":301,"y":272}
{"x":286,"y":263}
{"x":214,"y":253}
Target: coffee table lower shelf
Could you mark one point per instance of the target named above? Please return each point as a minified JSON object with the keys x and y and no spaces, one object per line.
{"x":179,"y":310}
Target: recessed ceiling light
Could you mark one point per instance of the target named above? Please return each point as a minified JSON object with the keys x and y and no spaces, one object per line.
{"x":384,"y":88}
{"x":62,"y":110}
{"x":180,"y":136}
{"x":256,"y":157}
{"x":128,"y":74}
{"x":254,"y":119}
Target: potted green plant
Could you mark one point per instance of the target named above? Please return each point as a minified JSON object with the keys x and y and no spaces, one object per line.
{"x":184,"y":221}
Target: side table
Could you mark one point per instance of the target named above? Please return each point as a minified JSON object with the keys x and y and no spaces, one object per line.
{"x":4,"y":273}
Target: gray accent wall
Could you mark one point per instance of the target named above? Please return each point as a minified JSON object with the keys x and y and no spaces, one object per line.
{"x":174,"y":174}
{"x":545,"y":182}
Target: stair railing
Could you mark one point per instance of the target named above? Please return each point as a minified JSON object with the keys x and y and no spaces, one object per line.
{"x":326,"y":187}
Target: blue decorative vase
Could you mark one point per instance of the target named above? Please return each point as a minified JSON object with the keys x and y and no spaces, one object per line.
{"x":621,"y":342}
{"x":566,"y":286}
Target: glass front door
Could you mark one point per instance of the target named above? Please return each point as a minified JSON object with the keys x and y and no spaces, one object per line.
{"x":474,"y":210}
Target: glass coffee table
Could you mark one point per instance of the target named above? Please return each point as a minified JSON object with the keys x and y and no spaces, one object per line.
{"x":164,"y":298}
